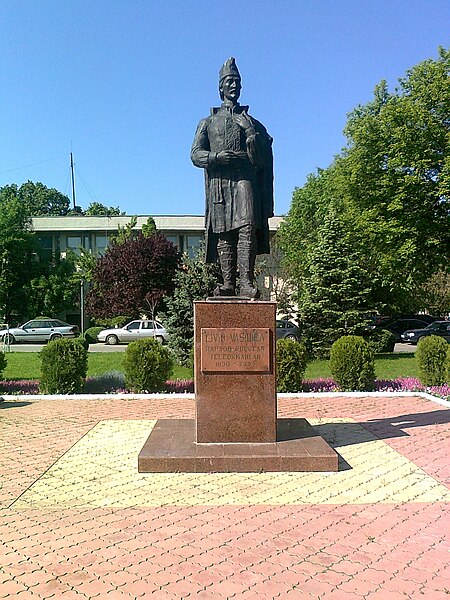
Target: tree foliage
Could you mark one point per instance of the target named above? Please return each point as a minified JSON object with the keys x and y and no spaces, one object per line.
{"x":335,"y":295}
{"x":195,"y":280}
{"x":40,"y":201}
{"x":37,"y":199}
{"x":398,"y":163}
{"x":133,"y":276}
{"x":17,"y":249}
{"x":96,"y":209}
{"x":53,"y":289}
{"x":274,"y":281}
{"x":391,"y":186}
{"x":352,"y":364}
{"x":29,"y":284}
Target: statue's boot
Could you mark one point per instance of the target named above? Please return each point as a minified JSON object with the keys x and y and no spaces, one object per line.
{"x":228,"y":269}
{"x":246,"y":256}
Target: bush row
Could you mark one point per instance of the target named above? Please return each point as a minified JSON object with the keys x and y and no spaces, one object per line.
{"x":352,"y":362}
{"x":148,"y":364}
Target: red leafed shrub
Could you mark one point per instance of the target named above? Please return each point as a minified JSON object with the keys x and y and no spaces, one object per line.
{"x":133,"y":276}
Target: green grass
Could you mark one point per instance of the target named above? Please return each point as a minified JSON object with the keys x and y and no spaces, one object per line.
{"x":387,"y":366}
{"x":27,"y":365}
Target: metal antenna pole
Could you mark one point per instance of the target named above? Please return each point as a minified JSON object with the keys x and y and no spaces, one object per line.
{"x":73,"y":181}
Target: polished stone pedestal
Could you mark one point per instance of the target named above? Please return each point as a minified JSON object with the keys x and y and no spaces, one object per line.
{"x":172,"y":448}
{"x":235,"y":381}
{"x":235,"y":427}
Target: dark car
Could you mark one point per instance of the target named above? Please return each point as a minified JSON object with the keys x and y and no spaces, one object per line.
{"x":286,"y":330}
{"x":398,"y":325}
{"x":441,"y":328}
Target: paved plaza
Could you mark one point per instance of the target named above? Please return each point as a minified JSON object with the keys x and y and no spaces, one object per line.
{"x":77,"y":521}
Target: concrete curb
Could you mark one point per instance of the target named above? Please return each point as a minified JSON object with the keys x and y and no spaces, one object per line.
{"x":191,"y":396}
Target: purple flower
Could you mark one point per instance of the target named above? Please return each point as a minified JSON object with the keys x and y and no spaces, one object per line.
{"x":315,"y":386}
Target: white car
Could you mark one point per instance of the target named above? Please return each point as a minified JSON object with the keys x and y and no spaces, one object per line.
{"x":39,"y":330}
{"x":136,"y":330}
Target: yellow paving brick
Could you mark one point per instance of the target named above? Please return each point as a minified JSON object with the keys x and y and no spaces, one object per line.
{"x":101,"y":471}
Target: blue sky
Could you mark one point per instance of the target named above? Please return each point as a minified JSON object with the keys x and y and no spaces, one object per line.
{"x":124,"y":83}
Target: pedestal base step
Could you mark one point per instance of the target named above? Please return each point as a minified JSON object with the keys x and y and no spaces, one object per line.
{"x":171,"y":448}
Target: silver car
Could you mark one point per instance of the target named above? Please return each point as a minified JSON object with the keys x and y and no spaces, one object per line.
{"x":136,"y":330}
{"x":39,"y":330}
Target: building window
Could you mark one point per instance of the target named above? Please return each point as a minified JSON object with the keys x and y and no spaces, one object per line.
{"x":74,"y":243}
{"x":101,"y":243}
{"x":175,"y":241}
{"x":193,"y":245}
{"x":46,"y":247}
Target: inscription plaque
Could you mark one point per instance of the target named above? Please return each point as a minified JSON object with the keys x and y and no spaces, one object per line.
{"x":235,"y":349}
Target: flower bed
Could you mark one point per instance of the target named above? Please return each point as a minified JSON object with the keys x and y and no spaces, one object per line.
{"x":402,"y":384}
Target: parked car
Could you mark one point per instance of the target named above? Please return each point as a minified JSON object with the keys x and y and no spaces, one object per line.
{"x":133,"y":331}
{"x":286,"y":330}
{"x":39,"y":330}
{"x":441,"y":328}
{"x":401,"y":324}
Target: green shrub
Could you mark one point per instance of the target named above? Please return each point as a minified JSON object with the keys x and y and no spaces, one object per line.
{"x":2,"y":363}
{"x":380,"y":340}
{"x":111,"y":322}
{"x":448,"y":364}
{"x":147,"y":365}
{"x":291,"y":365}
{"x":90,"y":335}
{"x":352,"y":364}
{"x":64,"y":366}
{"x":431,"y":358}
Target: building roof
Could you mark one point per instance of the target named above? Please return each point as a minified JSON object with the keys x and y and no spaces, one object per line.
{"x":101,"y":223}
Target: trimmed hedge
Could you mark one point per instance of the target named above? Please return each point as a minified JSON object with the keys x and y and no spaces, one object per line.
{"x":64,"y":366}
{"x":431,"y":359}
{"x":2,"y":363}
{"x":381,"y":341}
{"x":352,"y":364}
{"x":291,"y":365}
{"x":147,"y":365}
{"x":90,"y":335}
{"x":448,"y":364}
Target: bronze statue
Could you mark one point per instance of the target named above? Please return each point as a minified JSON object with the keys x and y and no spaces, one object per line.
{"x":235,"y":151}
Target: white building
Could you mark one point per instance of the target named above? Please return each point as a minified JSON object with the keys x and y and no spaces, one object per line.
{"x":60,"y":234}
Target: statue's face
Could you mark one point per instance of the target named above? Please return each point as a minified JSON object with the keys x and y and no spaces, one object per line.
{"x":231,"y":88}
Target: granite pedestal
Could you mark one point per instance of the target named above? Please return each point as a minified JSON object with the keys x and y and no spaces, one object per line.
{"x":235,"y":427}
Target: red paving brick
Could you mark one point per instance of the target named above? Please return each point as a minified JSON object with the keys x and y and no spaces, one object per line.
{"x":380,"y":551}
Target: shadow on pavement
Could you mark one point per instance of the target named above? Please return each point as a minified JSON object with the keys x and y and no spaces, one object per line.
{"x":13,"y":404}
{"x":344,"y":434}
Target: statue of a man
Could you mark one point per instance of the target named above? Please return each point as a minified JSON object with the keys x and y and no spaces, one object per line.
{"x":235,"y":151}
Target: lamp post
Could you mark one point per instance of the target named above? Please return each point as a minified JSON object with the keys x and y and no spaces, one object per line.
{"x":82,"y":304}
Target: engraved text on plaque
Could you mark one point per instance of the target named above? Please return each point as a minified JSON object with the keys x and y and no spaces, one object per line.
{"x":235,"y":349}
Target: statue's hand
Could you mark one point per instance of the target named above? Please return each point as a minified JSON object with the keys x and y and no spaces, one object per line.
{"x":244,"y":121}
{"x":227,"y":157}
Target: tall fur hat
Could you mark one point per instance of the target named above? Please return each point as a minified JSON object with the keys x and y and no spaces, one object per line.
{"x":228,"y":68}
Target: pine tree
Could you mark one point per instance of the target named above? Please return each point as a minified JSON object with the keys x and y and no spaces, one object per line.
{"x":195,"y":280}
{"x":335,"y":294}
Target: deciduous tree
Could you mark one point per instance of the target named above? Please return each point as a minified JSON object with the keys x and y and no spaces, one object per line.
{"x":97,"y":209}
{"x":133,"y":276}
{"x":391,"y":186}
{"x":17,"y":248}
{"x":38,"y":199}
